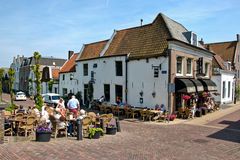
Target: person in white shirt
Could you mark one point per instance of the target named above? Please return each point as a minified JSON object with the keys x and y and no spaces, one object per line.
{"x":73,"y":106}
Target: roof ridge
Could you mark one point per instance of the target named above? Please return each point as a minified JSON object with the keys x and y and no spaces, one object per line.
{"x":136,"y":27}
{"x":97,"y":42}
{"x":164,"y":16}
{"x":219,"y":42}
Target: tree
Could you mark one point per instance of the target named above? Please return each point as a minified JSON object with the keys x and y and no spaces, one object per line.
{"x":11,"y":74}
{"x":37,"y":81}
{"x":1,"y":81}
{"x":50,"y":85}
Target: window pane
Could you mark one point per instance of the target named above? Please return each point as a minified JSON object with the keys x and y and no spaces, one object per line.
{"x":179,"y":65}
{"x":189,"y":66}
{"x":156,"y":72}
{"x":118,"y":68}
{"x":85,"y":69}
{"x":229,"y":87}
{"x":223,"y":93}
{"x":206,"y":69}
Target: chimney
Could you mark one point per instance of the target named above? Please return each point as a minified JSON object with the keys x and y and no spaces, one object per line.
{"x":238,"y":38}
{"x":201,"y":42}
{"x":141,"y":22}
{"x":70,"y":53}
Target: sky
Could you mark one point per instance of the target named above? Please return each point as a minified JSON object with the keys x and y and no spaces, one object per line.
{"x":53,"y":27}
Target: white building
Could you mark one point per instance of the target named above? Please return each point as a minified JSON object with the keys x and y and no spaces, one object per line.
{"x":141,"y":65}
{"x":225,"y":79}
{"x":68,"y":83}
{"x":16,"y":64}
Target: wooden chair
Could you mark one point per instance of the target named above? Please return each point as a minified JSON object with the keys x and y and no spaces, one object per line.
{"x":56,"y":128}
{"x":181,"y":112}
{"x":150,"y":115}
{"x":85,"y":125}
{"x":93,"y":116}
{"x":143,"y":114}
{"x":117,"y":111}
{"x":7,"y":114}
{"x":188,"y":113}
{"x":130,"y":113}
{"x":27,"y":126}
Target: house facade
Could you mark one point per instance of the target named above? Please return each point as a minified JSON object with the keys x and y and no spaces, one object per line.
{"x":147,"y":65}
{"x":16,"y":64}
{"x":68,"y":82}
{"x":225,"y":79}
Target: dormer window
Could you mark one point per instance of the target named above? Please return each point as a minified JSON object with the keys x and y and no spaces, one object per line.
{"x":189,"y":66}
{"x":179,"y":66}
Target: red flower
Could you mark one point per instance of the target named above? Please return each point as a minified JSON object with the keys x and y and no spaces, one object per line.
{"x":186,"y":97}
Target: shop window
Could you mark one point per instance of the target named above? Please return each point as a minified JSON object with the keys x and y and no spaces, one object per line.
{"x":85,"y":69}
{"x":119,"y":68}
{"x":63,"y":77}
{"x":224,"y":89}
{"x":64,"y":91}
{"x":179,"y":65}
{"x":189,"y":66}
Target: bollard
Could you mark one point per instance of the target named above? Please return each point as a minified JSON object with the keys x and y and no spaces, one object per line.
{"x":118,"y":125}
{"x":101,"y":124}
{"x":79,"y":130}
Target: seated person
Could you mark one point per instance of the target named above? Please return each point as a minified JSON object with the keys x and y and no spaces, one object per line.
{"x":193,"y":109}
{"x":82,"y":114}
{"x":36,"y":111}
{"x":162,"y":108}
{"x":60,"y":120}
{"x":21,"y":110}
{"x":44,"y":114}
{"x":29,"y":110}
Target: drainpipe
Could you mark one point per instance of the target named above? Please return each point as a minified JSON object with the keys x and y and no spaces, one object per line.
{"x":126,"y":79}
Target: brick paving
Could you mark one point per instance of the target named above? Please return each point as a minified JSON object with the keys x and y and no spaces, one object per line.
{"x":136,"y":141}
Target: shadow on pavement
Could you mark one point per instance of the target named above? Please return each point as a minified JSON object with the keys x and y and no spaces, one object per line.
{"x":230,"y":133}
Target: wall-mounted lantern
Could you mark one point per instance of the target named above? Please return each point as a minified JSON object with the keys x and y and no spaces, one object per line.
{"x":141,"y":93}
{"x":154,"y":94}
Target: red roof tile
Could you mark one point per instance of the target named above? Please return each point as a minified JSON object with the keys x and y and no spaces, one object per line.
{"x":70,"y":65}
{"x":55,"y":73}
{"x":92,"y":50}
{"x":226,"y":50}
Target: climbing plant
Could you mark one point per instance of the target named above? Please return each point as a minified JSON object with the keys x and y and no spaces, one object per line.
{"x":11,"y":74}
{"x":50,"y":85}
{"x":37,"y":81}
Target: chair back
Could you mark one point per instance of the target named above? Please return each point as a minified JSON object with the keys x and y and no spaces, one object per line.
{"x":143,"y":112}
{"x":31,"y":120}
{"x":92,"y":115}
{"x":19,"y":116}
{"x":7,"y":114}
{"x":86,"y":121}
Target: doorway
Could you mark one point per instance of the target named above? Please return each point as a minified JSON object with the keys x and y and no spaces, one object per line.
{"x":107,"y":92}
{"x":118,"y":92}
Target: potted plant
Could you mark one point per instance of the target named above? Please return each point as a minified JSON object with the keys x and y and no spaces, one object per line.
{"x":111,"y":129}
{"x":95,"y":133}
{"x":43,"y":133}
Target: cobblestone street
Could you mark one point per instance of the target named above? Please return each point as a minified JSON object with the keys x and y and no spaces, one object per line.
{"x":137,"y":140}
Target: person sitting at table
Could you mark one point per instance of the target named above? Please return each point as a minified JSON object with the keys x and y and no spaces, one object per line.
{"x":29,"y":110}
{"x":193,"y":109}
{"x":82,"y":114}
{"x":61,"y":103}
{"x":60,"y":118}
{"x":36,"y":111}
{"x":118,"y":100}
{"x":162,"y":108}
{"x":21,"y":110}
{"x":44,"y":114}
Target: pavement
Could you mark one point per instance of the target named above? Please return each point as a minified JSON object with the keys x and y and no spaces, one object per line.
{"x":28,"y":102}
{"x":215,"y":136}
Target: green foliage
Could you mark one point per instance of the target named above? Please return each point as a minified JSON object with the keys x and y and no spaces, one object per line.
{"x":237,"y":92}
{"x":37,"y":73}
{"x":1,"y":82}
{"x":11,"y":74}
{"x":50,"y":85}
{"x":92,"y":131}
{"x":30,"y":86}
{"x":11,"y":107}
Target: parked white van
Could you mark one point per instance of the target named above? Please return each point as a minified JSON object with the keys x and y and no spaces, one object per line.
{"x":51,"y":98}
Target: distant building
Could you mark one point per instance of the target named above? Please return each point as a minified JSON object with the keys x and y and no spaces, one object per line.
{"x":16,"y":64}
{"x":27,"y":76}
{"x":224,"y":77}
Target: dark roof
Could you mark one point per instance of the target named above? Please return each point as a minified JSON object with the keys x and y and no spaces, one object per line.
{"x":49,"y":61}
{"x":226,"y":50}
{"x":92,"y":50}
{"x":70,"y":65}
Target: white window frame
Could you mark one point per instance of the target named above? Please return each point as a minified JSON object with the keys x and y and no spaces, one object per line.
{"x":189,"y":74}
{"x":179,"y":74}
{"x":206,"y":72}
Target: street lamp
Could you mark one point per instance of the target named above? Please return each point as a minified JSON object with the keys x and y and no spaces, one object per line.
{"x":72,"y":78}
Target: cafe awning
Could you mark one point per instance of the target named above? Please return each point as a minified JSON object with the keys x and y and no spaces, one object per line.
{"x":208,"y":85}
{"x":184,"y":86}
{"x":198,"y":85}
